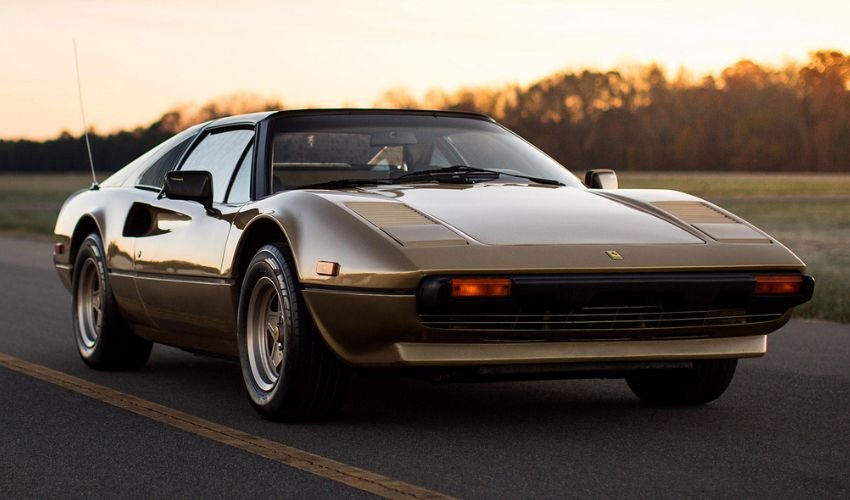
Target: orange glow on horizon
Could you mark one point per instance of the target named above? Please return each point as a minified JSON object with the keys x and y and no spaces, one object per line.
{"x":141,"y":58}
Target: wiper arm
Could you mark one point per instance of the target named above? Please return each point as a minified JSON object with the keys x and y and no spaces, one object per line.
{"x":536,"y":180}
{"x":341,"y":183}
{"x":460,"y":174}
{"x":466,"y":174}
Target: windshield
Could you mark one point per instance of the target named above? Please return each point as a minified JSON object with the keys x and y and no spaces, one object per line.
{"x":311,"y":150}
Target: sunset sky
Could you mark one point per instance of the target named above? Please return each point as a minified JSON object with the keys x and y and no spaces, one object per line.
{"x":141,"y":58}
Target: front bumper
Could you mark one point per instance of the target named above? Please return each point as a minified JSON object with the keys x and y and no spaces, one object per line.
{"x":386,"y":329}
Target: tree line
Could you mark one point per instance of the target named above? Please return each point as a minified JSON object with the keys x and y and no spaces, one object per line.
{"x":67,"y":152}
{"x":750,"y":117}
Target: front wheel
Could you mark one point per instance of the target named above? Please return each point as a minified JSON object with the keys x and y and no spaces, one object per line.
{"x":104,"y":340}
{"x":704,"y":382}
{"x":289,"y":372}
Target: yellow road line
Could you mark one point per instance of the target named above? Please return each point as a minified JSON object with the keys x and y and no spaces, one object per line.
{"x":293,"y":457}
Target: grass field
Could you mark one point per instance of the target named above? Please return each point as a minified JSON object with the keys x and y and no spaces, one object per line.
{"x":809,"y":213}
{"x":735,"y":184}
{"x":29,"y":202}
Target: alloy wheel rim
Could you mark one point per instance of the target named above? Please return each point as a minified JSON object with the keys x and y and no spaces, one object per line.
{"x":89,"y":304}
{"x":265,"y":334}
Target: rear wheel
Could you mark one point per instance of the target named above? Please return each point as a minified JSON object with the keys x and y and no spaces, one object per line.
{"x":704,"y":382}
{"x":104,"y":340}
{"x":289,"y":372}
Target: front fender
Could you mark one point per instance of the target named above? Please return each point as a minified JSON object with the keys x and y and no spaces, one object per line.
{"x":318,"y":229}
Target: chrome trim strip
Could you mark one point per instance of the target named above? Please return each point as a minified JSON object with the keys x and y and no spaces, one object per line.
{"x":424,"y":354}
{"x":191,"y":280}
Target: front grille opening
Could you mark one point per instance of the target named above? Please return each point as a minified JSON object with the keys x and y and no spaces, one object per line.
{"x":618,"y":307}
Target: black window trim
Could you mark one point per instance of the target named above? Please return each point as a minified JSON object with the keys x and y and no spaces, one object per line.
{"x":213,"y":129}
{"x":236,"y":172}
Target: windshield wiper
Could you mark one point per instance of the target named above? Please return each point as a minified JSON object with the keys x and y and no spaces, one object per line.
{"x":341,"y":183}
{"x":464,"y":174}
{"x":456,"y":174}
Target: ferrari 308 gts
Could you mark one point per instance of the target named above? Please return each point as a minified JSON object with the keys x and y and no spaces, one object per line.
{"x":309,"y":245}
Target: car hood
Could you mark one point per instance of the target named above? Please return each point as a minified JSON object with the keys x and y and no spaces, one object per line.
{"x":519,"y":214}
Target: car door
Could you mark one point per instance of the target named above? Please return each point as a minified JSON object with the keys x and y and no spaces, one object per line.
{"x":178,"y":262}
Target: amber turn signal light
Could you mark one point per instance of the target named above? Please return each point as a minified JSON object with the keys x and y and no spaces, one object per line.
{"x":778,"y":285}
{"x":481,"y":287}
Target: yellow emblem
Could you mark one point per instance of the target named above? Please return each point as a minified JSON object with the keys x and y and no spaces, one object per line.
{"x":615,"y":255}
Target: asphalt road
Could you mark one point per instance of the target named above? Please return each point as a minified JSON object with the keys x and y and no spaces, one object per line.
{"x":782,"y":430}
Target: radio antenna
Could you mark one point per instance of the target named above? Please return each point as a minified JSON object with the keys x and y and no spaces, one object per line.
{"x":94,"y":185}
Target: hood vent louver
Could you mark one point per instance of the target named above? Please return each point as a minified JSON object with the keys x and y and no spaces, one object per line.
{"x":405,"y":225}
{"x":694,"y":212}
{"x":714,"y":223}
{"x":383,"y":214}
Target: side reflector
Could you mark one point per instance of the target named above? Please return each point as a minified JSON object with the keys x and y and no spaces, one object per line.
{"x":481,"y":287}
{"x":778,"y":285}
{"x":326,"y":268}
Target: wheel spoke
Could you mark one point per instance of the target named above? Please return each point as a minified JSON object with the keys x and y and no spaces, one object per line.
{"x":273,"y":324}
{"x":276,"y":358}
{"x":96,"y":301}
{"x":271,"y":331}
{"x":272,"y":317}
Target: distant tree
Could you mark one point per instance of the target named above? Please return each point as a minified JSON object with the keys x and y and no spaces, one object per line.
{"x":112,"y":151}
{"x":824,"y":91}
{"x":397,"y":98}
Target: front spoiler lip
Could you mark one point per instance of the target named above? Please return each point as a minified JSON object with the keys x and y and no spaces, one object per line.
{"x":435,"y":354}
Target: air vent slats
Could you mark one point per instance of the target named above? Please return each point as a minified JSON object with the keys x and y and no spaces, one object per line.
{"x":386,"y":214}
{"x":649,"y":319}
{"x":694,"y":212}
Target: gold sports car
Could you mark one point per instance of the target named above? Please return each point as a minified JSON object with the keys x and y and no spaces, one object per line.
{"x":312,"y":244}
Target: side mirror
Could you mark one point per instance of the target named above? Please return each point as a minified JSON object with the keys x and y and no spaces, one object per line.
{"x":601,"y":178}
{"x":191,"y":185}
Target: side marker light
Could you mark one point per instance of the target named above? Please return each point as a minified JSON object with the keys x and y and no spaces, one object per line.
{"x":326,"y":268}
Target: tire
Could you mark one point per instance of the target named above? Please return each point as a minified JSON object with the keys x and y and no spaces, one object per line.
{"x":705,"y":382}
{"x":289,"y":372}
{"x":104,"y":340}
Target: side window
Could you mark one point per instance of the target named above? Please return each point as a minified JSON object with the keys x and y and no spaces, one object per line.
{"x":150,"y":168}
{"x":218,"y":153}
{"x":240,"y":191}
{"x":154,"y":175}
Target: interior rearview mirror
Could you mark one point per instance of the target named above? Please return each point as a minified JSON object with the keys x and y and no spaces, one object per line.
{"x":392,"y":138}
{"x":191,"y":185}
{"x":601,"y":178}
